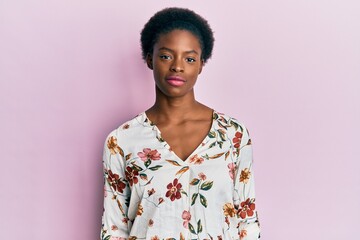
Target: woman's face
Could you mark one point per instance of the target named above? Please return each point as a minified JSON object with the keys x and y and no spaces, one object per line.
{"x":176,"y":62}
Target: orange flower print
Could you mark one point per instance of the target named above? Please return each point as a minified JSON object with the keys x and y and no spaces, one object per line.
{"x":229,"y":210}
{"x":243,"y":234}
{"x":245,"y":175}
{"x":182,"y":236}
{"x":155,"y":238}
{"x":115,"y":181}
{"x":151,"y":223}
{"x":247,"y":208}
{"x":196,"y":159}
{"x":148,"y":154}
{"x":237,"y":139}
{"x":114,"y":227}
{"x":132,"y":238}
{"x":232,"y":169}
{"x":161,"y":200}
{"x":140,"y":210}
{"x":113,"y":146}
{"x":186,"y":216}
{"x":131,"y":175}
{"x":174,"y":190}
{"x":126,"y":126}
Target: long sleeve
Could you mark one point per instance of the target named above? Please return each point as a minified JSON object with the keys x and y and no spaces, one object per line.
{"x":244,"y":192}
{"x":115,"y":222}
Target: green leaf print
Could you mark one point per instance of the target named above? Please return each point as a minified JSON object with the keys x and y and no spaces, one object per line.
{"x":199,"y":226}
{"x":143,"y":176}
{"x":212,"y":145}
{"x":236,"y":126}
{"x":193,"y":198}
{"x":183,"y":192}
{"x":203,"y":200}
{"x":222,"y":134}
{"x":191,"y":228}
{"x":195,"y":181}
{"x":212,"y":134}
{"x":206,"y":185}
{"x":147,"y":163}
{"x":138,"y":168}
{"x":155,"y":167}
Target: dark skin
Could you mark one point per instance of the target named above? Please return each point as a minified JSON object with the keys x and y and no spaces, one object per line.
{"x":183,"y":121}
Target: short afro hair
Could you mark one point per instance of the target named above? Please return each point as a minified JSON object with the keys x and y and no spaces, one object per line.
{"x":173,"y":18}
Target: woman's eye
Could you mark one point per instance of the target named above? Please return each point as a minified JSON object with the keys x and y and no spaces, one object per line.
{"x":165,"y":56}
{"x":190,"y":59}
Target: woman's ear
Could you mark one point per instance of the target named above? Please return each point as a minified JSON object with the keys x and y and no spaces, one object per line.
{"x":149,"y":61}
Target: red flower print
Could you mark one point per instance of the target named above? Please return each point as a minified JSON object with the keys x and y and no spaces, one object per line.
{"x":196,"y":159}
{"x":202,"y":176}
{"x":174,"y":190}
{"x":232,"y":169}
{"x":115,"y":181}
{"x":151,"y":192}
{"x":227,"y":221}
{"x":247,"y":208}
{"x":148,"y":154}
{"x":186,"y":216}
{"x":131,"y":175}
{"x":237,"y":139}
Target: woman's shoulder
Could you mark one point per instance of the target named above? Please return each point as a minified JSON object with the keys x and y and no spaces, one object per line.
{"x":230,"y":122}
{"x":129,"y":127}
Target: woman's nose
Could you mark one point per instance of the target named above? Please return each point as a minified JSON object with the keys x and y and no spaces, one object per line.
{"x":177,"y":66}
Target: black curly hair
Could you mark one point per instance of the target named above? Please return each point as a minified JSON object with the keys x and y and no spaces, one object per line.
{"x":173,"y":18}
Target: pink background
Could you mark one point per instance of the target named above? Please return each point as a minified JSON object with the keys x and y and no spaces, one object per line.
{"x":71,"y":72}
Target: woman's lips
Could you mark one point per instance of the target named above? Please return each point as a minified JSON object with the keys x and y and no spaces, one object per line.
{"x":175,"y":81}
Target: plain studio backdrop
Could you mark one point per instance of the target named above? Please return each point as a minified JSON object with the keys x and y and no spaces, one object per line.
{"x":71,"y":71}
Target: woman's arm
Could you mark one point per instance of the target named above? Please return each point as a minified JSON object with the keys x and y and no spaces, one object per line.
{"x":244,"y":192}
{"x":116,"y":192}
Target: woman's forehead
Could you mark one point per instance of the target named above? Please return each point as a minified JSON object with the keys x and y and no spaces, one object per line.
{"x":178,"y":39}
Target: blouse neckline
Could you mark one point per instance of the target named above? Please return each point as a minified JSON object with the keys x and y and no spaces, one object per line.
{"x":147,"y":122}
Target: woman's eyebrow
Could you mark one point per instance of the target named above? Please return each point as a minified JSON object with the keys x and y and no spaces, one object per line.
{"x":170,"y":50}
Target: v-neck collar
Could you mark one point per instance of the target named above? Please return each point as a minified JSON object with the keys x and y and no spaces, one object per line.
{"x":147,"y":122}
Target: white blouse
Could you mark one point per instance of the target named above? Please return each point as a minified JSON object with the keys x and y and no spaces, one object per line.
{"x":150,"y":193}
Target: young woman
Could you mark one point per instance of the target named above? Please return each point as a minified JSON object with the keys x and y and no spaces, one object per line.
{"x":179,"y":170}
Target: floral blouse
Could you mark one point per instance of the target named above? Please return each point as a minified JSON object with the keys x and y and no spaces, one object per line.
{"x":150,"y":193}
